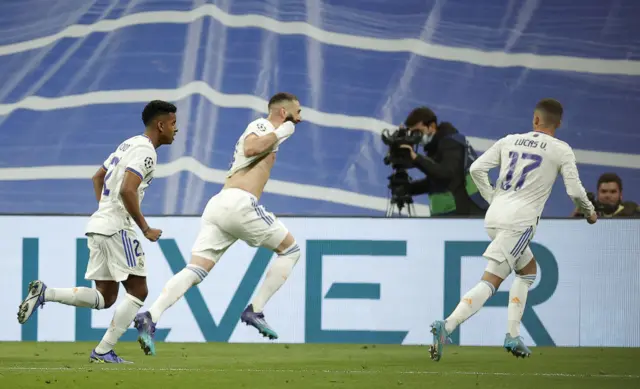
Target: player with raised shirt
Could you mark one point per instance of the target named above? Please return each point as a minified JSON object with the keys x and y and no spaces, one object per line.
{"x":529,"y":165}
{"x":234,"y":213}
{"x":115,"y":252}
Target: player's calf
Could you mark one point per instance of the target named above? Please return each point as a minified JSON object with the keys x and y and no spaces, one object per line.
{"x":194,"y":273}
{"x":38,"y":294}
{"x":518,"y":296}
{"x":136,"y":287}
{"x":471,"y":302}
{"x":278,"y":273}
{"x":177,"y":286}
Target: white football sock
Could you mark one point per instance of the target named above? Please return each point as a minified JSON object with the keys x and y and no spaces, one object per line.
{"x":517,"y":300}
{"x":78,"y":297}
{"x":175,"y":288}
{"x":471,"y":303}
{"x":123,"y":316}
{"x":276,"y":276}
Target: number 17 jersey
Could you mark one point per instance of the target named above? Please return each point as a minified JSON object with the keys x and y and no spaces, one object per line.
{"x":529,"y":165}
{"x":136,"y":155}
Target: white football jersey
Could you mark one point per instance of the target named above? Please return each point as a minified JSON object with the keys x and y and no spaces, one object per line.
{"x":529,"y":165}
{"x":260,"y":127}
{"x":136,"y":155}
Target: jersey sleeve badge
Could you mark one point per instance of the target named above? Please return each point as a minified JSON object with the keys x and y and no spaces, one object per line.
{"x":148,"y":163}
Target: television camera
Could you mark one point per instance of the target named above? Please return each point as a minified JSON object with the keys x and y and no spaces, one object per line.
{"x":601,"y":209}
{"x":400,"y":160}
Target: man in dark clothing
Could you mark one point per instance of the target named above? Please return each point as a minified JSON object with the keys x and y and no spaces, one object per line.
{"x":448,"y":157}
{"x":609,"y":202}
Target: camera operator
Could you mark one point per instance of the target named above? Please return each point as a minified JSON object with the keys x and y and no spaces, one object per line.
{"x":448,"y":156}
{"x":609,"y":202}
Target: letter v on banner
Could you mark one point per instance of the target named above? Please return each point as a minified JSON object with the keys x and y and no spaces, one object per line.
{"x":211,"y":331}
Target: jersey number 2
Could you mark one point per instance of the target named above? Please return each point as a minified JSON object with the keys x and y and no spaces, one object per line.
{"x":114,"y":162}
{"x":535,"y":159}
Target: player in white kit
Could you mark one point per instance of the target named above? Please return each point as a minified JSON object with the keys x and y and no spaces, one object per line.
{"x":529,"y":165}
{"x":115,"y":252}
{"x":234,"y":213}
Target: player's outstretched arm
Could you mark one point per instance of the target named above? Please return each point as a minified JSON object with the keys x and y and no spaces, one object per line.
{"x":255,"y":145}
{"x":572,"y":183}
{"x":98,"y":182}
{"x":479,"y":170}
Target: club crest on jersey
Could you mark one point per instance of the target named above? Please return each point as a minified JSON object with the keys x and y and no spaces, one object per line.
{"x":148,"y":162}
{"x":262,"y":127}
{"x":124,"y":147}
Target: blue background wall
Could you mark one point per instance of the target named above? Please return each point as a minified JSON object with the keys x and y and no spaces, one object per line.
{"x":356,"y":67}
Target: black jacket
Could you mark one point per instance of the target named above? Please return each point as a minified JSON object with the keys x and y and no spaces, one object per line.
{"x":445,"y":170}
{"x":628,"y":209}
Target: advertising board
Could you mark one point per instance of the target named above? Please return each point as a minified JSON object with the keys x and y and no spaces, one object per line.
{"x":358,"y":280}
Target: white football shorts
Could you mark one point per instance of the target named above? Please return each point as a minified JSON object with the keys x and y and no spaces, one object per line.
{"x":509,"y":250}
{"x":235,"y":214}
{"x":115,"y":257}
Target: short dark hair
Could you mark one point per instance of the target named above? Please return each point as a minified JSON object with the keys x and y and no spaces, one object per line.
{"x":280,"y":97}
{"x":552,"y":111}
{"x":422,"y":115}
{"x":610,"y":177}
{"x":156,"y":108}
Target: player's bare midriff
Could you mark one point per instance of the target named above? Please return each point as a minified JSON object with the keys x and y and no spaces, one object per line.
{"x":254,"y":177}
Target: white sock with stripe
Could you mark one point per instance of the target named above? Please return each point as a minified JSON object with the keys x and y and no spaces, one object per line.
{"x":276,"y":276}
{"x":175,"y":288}
{"x":78,"y":297}
{"x":471,"y":303}
{"x":122,"y":318}
{"x":517,"y":300}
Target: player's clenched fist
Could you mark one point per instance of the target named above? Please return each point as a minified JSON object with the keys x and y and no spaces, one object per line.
{"x":592,"y":218}
{"x":285,"y":130}
{"x":153,"y":234}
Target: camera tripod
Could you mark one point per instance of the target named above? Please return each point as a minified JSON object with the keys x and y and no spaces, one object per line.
{"x":395,"y":203}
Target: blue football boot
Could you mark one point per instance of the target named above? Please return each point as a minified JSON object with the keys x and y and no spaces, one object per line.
{"x":109,"y":357}
{"x":146,"y":332}
{"x":440,"y":338}
{"x":516,"y":346}
{"x":256,"y":320}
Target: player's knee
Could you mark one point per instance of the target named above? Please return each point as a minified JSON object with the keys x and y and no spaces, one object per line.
{"x":140,"y":292}
{"x":200,"y":272}
{"x":287,"y":243}
{"x":496,"y":272}
{"x":529,"y":269}
{"x":527,"y":279}
{"x":292,"y":252}
{"x":109,"y":300}
{"x":492,"y":280}
{"x":108,"y":291}
{"x":286,"y":261}
{"x":136,"y":286}
{"x":204,"y":263}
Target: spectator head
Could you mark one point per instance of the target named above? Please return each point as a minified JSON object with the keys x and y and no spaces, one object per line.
{"x":609,"y":189}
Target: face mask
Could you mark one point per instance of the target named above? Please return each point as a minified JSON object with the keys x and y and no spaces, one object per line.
{"x":426,"y":139}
